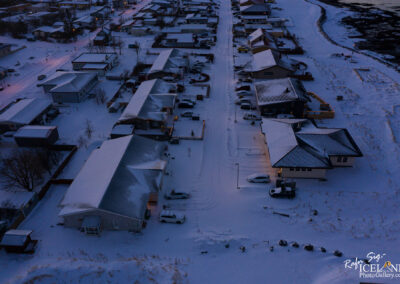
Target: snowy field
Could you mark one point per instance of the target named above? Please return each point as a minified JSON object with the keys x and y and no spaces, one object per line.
{"x":231,"y":234}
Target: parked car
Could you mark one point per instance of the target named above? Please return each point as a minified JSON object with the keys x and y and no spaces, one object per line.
{"x":242,"y":100}
{"x":247,"y":106}
{"x":242,"y":49}
{"x":169,"y":78}
{"x":284,"y":188}
{"x":169,"y":216}
{"x":258,"y":178}
{"x":242,"y":87}
{"x":285,"y":192}
{"x":250,"y":116}
{"x":189,"y":101}
{"x":187,"y":114}
{"x":244,"y":94}
{"x":185,"y":105}
{"x":243,"y":73}
{"x":41,"y":77}
{"x":176,"y":195}
{"x":246,"y":80}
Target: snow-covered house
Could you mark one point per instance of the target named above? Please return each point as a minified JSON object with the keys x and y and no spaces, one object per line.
{"x":18,"y":241}
{"x":255,"y":9}
{"x":170,"y":62}
{"x":184,"y":40}
{"x":102,"y":38}
{"x":281,"y":96}
{"x":299,"y":149}
{"x":149,"y":110}
{"x":46,"y":32}
{"x":69,"y":87}
{"x":14,"y":202}
{"x":114,"y":185}
{"x":36,"y":136}
{"x":267,"y":65}
{"x":23,"y":112}
{"x":260,"y":40}
{"x":196,"y":19}
{"x":85,"y":22}
{"x":100,"y":62}
{"x":254,"y":19}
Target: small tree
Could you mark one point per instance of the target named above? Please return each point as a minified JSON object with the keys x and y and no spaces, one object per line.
{"x":89,"y":129}
{"x":48,"y":159}
{"x":100,"y":96}
{"x":82,"y":141}
{"x":136,"y":46}
{"x":22,"y":168}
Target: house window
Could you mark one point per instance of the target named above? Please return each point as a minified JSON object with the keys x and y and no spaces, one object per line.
{"x":297,"y":169}
{"x":344,"y":159}
{"x":339,"y":159}
{"x":303,"y":169}
{"x":309,"y":170}
{"x":291,"y":169}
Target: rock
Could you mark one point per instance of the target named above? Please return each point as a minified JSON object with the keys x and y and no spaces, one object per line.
{"x":243,"y":248}
{"x":337,"y":253}
{"x":323,"y":249}
{"x":315,"y":212}
{"x":295,"y":245}
{"x":271,"y":248}
{"x":227,"y":246}
{"x":309,"y":247}
{"x":283,"y":243}
{"x":204,"y":252}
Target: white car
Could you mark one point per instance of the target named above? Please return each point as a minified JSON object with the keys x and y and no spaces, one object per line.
{"x":258,"y":178}
{"x":250,"y":116}
{"x":169,"y":216}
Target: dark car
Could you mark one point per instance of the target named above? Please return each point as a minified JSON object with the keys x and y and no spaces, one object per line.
{"x":185,"y":105}
{"x":243,"y":88}
{"x":41,"y":77}
{"x":283,"y":192}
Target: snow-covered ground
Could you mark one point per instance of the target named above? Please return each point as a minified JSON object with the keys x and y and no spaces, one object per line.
{"x":357,"y":207}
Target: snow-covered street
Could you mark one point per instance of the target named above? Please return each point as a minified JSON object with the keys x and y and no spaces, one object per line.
{"x":233,"y":227}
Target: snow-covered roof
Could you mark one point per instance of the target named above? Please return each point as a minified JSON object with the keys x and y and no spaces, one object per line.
{"x":182,"y":37}
{"x":147,"y":102}
{"x":15,"y":237}
{"x":85,"y":19}
{"x":69,"y":82}
{"x":47,"y":29}
{"x":277,"y":91}
{"x":254,"y":8}
{"x":34,"y":131}
{"x":263,"y":60}
{"x":299,"y":143}
{"x":258,"y":33}
{"x":170,"y":58}
{"x":15,"y":199}
{"x":110,"y":180}
{"x":95,"y":58}
{"x":24,"y":111}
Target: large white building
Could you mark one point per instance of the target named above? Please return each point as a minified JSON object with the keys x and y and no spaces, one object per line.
{"x":113,"y":188}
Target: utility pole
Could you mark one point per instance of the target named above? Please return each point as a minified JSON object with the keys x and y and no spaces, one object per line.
{"x":237,"y":176}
